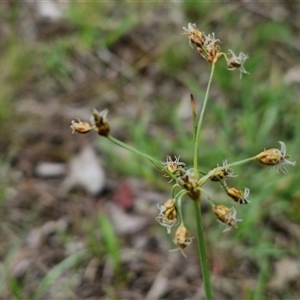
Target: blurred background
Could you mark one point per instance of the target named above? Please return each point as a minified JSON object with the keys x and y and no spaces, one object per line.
{"x":77,"y":213}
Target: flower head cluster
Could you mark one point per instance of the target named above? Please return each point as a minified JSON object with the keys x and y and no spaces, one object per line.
{"x":185,"y":178}
{"x":217,"y":174}
{"x":98,"y":123}
{"x":207,"y":45}
{"x":223,"y":173}
{"x":173,"y":166}
{"x":167,"y":215}
{"x":195,"y":36}
{"x":192,"y":185}
{"x":168,"y":218}
{"x":271,"y":157}
{"x":208,"y":48}
{"x":189,"y":182}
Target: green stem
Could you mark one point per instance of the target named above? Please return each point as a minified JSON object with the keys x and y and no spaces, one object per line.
{"x":193,"y":105}
{"x":240,"y":162}
{"x":156,"y":162}
{"x":123,"y":145}
{"x":202,"y":252}
{"x":179,"y":207}
{"x":197,"y":136}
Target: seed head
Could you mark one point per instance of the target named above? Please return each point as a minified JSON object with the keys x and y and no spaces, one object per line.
{"x":173,"y":166}
{"x":276,"y":157}
{"x":100,"y":122}
{"x":221,"y":174}
{"x":237,"y":62}
{"x":196,"y":37}
{"x":167,"y":215}
{"x":237,"y":195}
{"x":206,"y":44}
{"x":190,"y":183}
{"x":226,"y":216}
{"x":210,"y":49}
{"x":80,"y":126}
{"x":182,"y":239}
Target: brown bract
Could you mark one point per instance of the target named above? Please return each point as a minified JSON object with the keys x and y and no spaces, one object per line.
{"x":100,"y":122}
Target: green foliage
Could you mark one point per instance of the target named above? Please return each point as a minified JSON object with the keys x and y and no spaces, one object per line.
{"x":14,"y":69}
{"x":56,"y":272}
{"x":88,"y":32}
{"x":15,"y":288}
{"x":272,"y":32}
{"x":99,"y":29}
{"x":120,"y":29}
{"x":173,"y":59}
{"x":56,"y":58}
{"x":197,"y":10}
{"x":110,"y":241}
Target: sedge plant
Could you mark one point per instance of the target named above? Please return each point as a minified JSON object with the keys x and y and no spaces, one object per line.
{"x":190,"y":182}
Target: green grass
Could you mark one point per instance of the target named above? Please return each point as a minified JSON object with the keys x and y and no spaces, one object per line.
{"x":243,"y":116}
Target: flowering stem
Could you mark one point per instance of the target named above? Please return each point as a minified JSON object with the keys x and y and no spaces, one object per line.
{"x":156,"y":162}
{"x":193,"y":105}
{"x":197,"y":135}
{"x":240,"y":162}
{"x":123,"y":145}
{"x":202,"y":251}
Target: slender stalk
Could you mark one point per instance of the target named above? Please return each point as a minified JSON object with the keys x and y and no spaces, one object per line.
{"x":193,"y":105}
{"x":179,"y":197}
{"x":179,"y":208}
{"x":156,"y":162}
{"x":200,"y":236}
{"x":240,"y":162}
{"x":123,"y":145}
{"x":202,"y":251}
{"x":197,"y":137}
